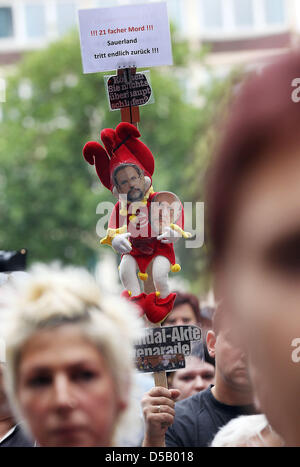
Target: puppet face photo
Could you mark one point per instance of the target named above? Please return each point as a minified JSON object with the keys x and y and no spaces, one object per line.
{"x":129,"y":180}
{"x":165,"y":210}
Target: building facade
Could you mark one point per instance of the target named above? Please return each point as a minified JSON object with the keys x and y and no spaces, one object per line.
{"x":227,"y":25}
{"x":237,"y":32}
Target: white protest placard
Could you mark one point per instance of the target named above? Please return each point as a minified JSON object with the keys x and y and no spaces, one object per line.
{"x":125,"y":36}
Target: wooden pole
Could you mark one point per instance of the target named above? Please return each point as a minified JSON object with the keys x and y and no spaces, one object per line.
{"x":160,"y":377}
{"x":131,"y":114}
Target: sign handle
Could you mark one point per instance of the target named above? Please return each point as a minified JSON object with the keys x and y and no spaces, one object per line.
{"x":160,"y":377}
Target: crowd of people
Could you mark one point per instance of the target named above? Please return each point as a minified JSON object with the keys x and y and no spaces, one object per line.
{"x":67,"y":375}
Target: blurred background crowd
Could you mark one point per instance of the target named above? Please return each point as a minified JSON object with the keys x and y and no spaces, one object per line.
{"x":48,"y":202}
{"x":48,"y":196}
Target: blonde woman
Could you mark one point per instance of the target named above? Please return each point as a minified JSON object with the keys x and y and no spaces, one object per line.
{"x":69,"y":358}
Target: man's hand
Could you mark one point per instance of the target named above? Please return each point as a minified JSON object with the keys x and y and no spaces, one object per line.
{"x":121,"y":244}
{"x":159,"y":412}
{"x":169,"y":236}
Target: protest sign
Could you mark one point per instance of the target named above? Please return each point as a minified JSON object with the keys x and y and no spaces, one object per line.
{"x":164,"y":348}
{"x":125,"y":36}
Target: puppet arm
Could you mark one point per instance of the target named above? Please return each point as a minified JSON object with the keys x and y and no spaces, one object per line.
{"x":121,"y":244}
{"x":169,"y":236}
{"x":114,"y":230}
{"x":118,"y":240}
{"x":180,"y":231}
{"x":111,"y":234}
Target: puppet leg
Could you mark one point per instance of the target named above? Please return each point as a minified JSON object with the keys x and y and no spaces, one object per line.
{"x":128,"y":268}
{"x":160,"y":303}
{"x":161,"y":268}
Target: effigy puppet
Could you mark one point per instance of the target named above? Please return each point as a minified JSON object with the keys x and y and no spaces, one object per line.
{"x":144,"y":224}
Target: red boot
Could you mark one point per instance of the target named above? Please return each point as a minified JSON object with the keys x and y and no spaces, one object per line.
{"x":157,"y":309}
{"x":139,"y":300}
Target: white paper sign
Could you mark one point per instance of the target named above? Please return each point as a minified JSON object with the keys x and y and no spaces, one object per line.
{"x":125,"y":36}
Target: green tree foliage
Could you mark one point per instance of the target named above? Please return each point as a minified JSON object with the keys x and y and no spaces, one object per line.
{"x":48,"y":193}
